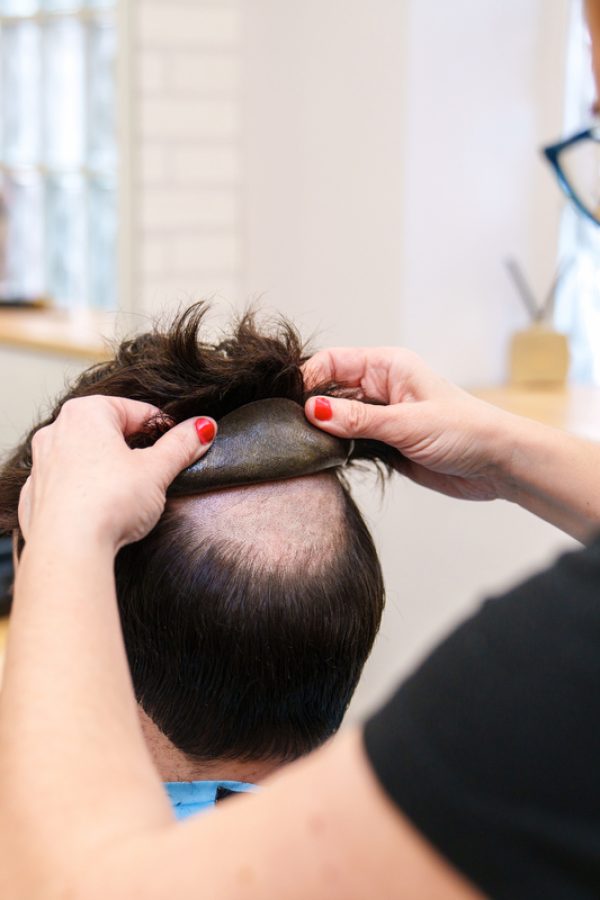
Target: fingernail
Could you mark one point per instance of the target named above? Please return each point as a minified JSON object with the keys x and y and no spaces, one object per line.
{"x":323,"y":411}
{"x":205,"y":429}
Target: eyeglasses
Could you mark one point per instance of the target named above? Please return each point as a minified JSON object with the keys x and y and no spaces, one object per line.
{"x":576,"y":164}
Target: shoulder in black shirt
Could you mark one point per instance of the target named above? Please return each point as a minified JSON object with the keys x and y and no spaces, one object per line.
{"x":492,"y":747}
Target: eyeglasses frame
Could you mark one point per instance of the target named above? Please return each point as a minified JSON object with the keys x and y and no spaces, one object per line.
{"x":552,"y":153}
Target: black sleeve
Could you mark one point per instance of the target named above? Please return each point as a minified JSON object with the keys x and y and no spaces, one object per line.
{"x":492,"y":747}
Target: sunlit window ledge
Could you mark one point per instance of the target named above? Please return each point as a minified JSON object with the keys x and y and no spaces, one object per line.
{"x":574,"y":408}
{"x":83,"y":335}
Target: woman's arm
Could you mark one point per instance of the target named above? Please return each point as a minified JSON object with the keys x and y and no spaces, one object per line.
{"x":74,"y":767}
{"x":322,"y":830}
{"x":74,"y":771}
{"x":553,"y":474}
{"x":457,"y":444}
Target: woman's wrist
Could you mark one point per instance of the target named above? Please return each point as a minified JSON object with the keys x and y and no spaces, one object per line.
{"x":65,"y":536}
{"x":514,"y":440}
{"x":551,"y":473}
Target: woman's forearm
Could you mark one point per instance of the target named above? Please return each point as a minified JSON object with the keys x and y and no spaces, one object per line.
{"x":68,"y":721}
{"x":551,"y":473}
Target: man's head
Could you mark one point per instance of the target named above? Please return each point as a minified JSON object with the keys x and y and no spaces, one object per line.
{"x":247,"y":613}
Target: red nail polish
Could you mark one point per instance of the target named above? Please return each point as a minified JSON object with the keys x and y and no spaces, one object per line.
{"x":323,"y":411}
{"x":205,"y":429}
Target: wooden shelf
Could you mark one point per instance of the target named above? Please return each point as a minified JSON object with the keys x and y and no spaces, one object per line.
{"x":80,"y":335}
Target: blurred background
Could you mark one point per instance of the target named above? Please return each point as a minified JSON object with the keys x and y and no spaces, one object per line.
{"x":364,"y":168}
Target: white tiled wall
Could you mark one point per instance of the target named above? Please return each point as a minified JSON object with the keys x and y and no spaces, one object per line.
{"x":186,"y":132}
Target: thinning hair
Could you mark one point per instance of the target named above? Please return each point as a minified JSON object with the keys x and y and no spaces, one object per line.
{"x":247,"y":613}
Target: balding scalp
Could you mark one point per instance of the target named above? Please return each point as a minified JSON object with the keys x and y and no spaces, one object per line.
{"x":284,"y":525}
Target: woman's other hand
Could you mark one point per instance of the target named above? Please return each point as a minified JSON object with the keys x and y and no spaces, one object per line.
{"x":452,"y":441}
{"x":85,"y":478}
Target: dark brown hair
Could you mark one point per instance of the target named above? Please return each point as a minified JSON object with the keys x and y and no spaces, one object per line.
{"x":230,"y":659}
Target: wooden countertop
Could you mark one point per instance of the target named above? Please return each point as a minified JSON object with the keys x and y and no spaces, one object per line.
{"x":574,"y":408}
{"x":81,"y":335}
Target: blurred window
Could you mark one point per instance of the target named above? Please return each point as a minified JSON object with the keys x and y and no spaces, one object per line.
{"x":58,"y":153}
{"x":578,"y":302}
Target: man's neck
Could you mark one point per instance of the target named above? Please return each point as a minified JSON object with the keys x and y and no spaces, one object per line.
{"x":173,"y":765}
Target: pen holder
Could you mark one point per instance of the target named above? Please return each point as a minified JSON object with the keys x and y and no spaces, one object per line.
{"x":539,"y":357}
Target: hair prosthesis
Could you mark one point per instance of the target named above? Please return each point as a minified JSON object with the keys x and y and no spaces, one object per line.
{"x":250,"y":609}
{"x":262,"y":441}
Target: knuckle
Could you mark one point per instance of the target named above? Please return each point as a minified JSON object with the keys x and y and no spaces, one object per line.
{"x":39,"y":439}
{"x":408,"y":357}
{"x":357,"y":417}
{"x":70,"y":410}
{"x":75,"y":406}
{"x":70,"y":406}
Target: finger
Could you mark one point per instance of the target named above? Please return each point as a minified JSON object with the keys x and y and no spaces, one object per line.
{"x":353,"y":419}
{"x":350,"y":364}
{"x":180,"y":447}
{"x":133,"y":415}
{"x":129,"y":416}
{"x":342,"y":364}
{"x":387,"y":374}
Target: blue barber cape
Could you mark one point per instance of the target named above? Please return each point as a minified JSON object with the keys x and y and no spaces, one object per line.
{"x":191,"y":797}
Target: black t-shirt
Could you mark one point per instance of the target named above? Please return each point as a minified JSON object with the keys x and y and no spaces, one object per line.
{"x":492,"y":747}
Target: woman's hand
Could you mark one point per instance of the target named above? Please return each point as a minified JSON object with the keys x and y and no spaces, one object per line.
{"x":452,"y":441}
{"x":85,"y":479}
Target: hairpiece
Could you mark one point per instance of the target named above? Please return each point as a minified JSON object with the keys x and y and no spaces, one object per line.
{"x":262,"y":441}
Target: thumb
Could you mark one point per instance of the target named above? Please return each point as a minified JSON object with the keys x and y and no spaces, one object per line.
{"x":354,"y":419}
{"x":181,"y":446}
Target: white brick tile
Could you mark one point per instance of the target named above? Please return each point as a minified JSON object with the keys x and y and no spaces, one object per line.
{"x":176,"y":119}
{"x":152,"y":164}
{"x":187,"y":79}
{"x":152,"y":71}
{"x":193,"y":165}
{"x":163,"y":209}
{"x":173,"y":24}
{"x":211,"y":252}
{"x":208,"y":73}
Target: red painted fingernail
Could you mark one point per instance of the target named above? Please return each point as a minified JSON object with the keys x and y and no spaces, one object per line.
{"x":205,"y":429}
{"x":323,"y":411}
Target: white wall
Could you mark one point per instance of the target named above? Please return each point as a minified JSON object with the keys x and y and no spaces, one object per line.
{"x":392,"y":162}
{"x":324,"y":132}
{"x":29,"y":383}
{"x":485,"y":84}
